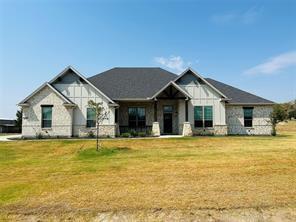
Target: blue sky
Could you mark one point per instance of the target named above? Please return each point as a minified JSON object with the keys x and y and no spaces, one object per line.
{"x":247,"y":44}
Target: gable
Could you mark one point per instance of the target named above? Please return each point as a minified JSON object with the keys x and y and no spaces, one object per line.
{"x":69,"y":77}
{"x":189,"y":79}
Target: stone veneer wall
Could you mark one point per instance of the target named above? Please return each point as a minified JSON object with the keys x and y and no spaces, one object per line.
{"x":235,"y":121}
{"x":61,"y":116}
{"x":215,"y":130}
{"x":104,"y":130}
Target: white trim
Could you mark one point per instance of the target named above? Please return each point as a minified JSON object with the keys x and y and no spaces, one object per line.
{"x":199,"y":76}
{"x":81,"y":76}
{"x":175,"y":85}
{"x":23,"y":102}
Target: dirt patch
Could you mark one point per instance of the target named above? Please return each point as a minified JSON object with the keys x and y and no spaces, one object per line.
{"x":231,"y":215}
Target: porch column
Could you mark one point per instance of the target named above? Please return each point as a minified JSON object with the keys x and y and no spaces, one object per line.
{"x":187,"y":130}
{"x":155,"y":111}
{"x":186,"y":110}
{"x":155,"y":126}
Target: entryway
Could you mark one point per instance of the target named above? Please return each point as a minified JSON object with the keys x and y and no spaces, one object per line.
{"x":167,"y":119}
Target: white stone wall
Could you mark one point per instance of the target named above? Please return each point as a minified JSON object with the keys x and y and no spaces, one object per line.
{"x":104,"y":130}
{"x":235,"y":121}
{"x":61,"y":115}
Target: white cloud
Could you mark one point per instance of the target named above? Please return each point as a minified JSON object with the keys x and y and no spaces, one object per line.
{"x":247,"y":17}
{"x":274,"y":64}
{"x":175,"y":63}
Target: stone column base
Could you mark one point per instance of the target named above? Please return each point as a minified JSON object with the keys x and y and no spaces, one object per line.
{"x":187,"y":131}
{"x":155,"y":129}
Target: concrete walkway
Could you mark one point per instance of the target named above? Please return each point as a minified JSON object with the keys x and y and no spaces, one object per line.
{"x":7,"y":138}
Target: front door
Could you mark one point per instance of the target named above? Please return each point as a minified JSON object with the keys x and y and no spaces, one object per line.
{"x":167,"y":119}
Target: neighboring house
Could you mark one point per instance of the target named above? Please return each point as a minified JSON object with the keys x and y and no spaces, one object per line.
{"x":143,"y":99}
{"x":8,"y":126}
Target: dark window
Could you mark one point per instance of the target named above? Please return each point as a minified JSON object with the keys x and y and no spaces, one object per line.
{"x":208,"y":116}
{"x":203,"y":116}
{"x":90,"y":117}
{"x":46,"y":121}
{"x":136,"y":117}
{"x":248,"y":116}
{"x":198,"y":116}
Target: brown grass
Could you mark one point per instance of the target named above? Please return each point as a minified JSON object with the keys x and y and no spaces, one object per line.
{"x":186,"y":174}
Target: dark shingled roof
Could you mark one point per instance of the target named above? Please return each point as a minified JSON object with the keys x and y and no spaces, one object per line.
{"x":131,"y":83}
{"x":236,"y":95}
{"x":142,"y":83}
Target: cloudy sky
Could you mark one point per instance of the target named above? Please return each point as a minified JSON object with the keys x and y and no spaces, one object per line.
{"x":247,"y":44}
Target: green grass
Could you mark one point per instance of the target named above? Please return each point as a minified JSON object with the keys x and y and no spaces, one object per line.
{"x":61,"y":176}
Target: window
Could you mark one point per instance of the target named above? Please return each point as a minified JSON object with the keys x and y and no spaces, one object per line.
{"x":208,"y":116}
{"x":136,"y":117}
{"x":203,"y":116}
{"x":248,"y":116}
{"x":46,"y":121}
{"x":198,"y":116}
{"x":168,"y":109}
{"x":90,"y":117}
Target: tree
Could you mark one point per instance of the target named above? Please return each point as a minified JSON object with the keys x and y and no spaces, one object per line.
{"x":19,"y":118}
{"x":101,"y":113}
{"x":278,"y":114}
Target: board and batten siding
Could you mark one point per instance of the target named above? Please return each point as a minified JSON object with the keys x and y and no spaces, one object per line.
{"x":202,"y":95}
{"x":80,"y":93}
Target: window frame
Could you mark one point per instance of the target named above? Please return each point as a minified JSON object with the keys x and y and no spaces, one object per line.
{"x":136,"y":120}
{"x":203,"y":122}
{"x":208,"y":120}
{"x":42,"y":117}
{"x":248,"y":119}
{"x":88,"y":119}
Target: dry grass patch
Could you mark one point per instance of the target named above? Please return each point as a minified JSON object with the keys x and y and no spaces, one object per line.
{"x":183,"y":174}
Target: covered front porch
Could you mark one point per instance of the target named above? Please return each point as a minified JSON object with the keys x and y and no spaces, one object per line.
{"x":163,"y":114}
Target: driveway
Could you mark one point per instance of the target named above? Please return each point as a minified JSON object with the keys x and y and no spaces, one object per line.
{"x":9,"y":137}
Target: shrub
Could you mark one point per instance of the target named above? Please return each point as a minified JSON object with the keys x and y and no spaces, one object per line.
{"x":39,"y":135}
{"x":90,"y":134}
{"x":126,"y":135}
{"x":134,"y":133}
{"x":141,"y":134}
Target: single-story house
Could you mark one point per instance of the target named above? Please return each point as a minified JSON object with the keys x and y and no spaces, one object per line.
{"x":8,"y":126}
{"x":143,"y":100}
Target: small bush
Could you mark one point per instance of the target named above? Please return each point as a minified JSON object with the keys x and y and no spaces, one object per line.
{"x":126,"y":135}
{"x":39,"y":136}
{"x":141,"y":134}
{"x":134,"y":133}
{"x":90,"y":134}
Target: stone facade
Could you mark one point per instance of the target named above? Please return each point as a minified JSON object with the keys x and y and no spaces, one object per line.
{"x":104,"y":131}
{"x":155,"y":129}
{"x":187,"y":130}
{"x":261,"y":124}
{"x":218,"y":130}
{"x":61,"y":116}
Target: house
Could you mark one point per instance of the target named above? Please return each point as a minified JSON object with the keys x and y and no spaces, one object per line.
{"x":143,"y":99}
{"x":8,"y":126}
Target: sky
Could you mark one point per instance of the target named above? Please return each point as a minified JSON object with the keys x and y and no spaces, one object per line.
{"x":247,"y":44}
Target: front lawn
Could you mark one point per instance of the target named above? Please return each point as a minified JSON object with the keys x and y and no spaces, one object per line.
{"x":62,"y":177}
